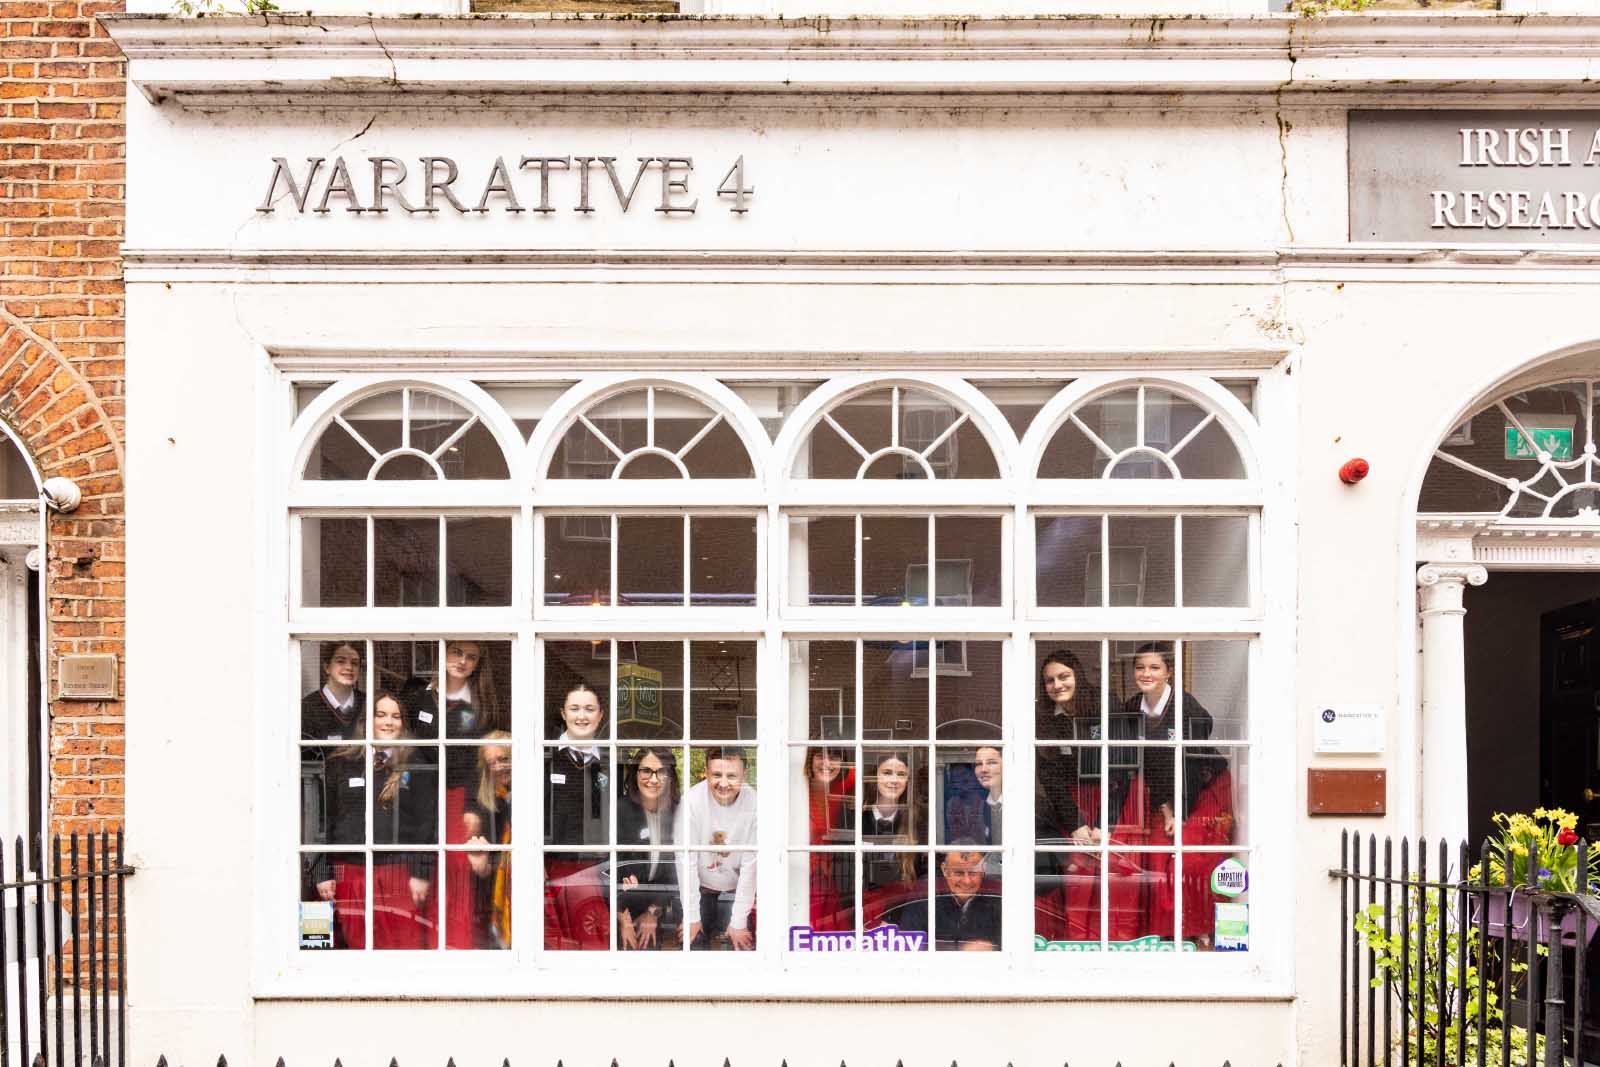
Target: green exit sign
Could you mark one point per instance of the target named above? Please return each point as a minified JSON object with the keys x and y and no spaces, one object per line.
{"x":1556,"y":442}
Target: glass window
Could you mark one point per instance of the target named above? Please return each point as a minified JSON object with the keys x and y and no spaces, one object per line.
{"x":405,"y":785}
{"x":1141,"y":432}
{"x":407,"y":434}
{"x":1528,"y":455}
{"x":1141,"y":793}
{"x":881,"y":673}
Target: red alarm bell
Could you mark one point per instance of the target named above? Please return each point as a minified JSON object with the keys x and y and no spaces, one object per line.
{"x":1353,"y":471}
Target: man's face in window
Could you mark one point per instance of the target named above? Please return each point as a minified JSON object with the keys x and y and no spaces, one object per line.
{"x":725,"y":777}
{"x":963,"y":872}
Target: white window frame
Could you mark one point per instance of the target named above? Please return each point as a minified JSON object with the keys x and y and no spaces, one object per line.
{"x":528,"y":970}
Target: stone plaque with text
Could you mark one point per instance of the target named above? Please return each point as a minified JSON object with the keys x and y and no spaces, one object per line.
{"x":1453,"y":177}
{"x":86,"y":676}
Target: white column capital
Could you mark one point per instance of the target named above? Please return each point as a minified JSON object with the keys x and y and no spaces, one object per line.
{"x":1443,"y":584}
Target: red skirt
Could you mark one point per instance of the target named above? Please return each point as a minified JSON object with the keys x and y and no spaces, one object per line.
{"x":396,"y":921}
{"x":461,"y":920}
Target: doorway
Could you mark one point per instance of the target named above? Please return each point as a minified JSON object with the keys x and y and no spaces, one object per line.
{"x":1532,"y":673}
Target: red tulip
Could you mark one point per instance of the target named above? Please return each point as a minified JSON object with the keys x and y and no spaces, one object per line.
{"x":1567,"y":837}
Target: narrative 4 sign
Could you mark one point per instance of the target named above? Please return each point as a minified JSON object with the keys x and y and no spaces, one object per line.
{"x":1518,"y":177}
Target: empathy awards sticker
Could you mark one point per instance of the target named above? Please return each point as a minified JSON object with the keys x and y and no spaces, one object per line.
{"x":1229,"y":878}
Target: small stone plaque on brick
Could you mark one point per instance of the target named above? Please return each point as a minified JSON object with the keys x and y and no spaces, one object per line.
{"x":86,"y":676}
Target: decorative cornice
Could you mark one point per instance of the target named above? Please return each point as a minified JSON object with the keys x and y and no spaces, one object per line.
{"x":1245,"y":266}
{"x":1432,"y":574}
{"x":313,"y":61}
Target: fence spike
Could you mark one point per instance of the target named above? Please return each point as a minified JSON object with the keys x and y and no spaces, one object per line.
{"x":337,"y":1063}
{"x":450,"y":1061}
{"x":506,"y":1062}
{"x":394,"y":1061}
{"x":222,"y":1061}
{"x":726,"y":1062}
{"x":161,"y":1061}
{"x":280,"y":1061}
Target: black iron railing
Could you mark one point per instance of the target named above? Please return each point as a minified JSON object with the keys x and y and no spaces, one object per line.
{"x":61,"y":946}
{"x":1451,"y":970}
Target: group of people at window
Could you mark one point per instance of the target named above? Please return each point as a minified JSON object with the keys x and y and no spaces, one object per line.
{"x":1102,"y":812}
{"x":672,"y":883}
{"x":403,"y":793}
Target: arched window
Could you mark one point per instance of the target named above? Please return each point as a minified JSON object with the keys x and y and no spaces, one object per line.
{"x":896,"y":432}
{"x":1148,"y":620}
{"x":405,"y":434}
{"x":653,"y":432}
{"x":1145,"y":431}
{"x":1527,"y":455}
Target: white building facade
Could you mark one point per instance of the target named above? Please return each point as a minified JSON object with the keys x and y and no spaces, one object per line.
{"x":806,"y":389}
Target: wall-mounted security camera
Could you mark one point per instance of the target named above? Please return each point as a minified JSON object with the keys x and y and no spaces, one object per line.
{"x":61,"y":494}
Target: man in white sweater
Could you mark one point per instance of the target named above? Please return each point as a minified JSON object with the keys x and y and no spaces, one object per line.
{"x":718,"y":811}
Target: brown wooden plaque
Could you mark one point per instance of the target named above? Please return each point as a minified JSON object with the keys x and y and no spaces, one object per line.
{"x":1345,"y":791}
{"x":86,"y":676}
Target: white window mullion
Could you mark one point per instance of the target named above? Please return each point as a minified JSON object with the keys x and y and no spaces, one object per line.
{"x":1106,"y":821}
{"x":527,"y":780}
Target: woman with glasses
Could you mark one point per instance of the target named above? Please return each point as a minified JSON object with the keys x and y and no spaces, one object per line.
{"x":647,"y":882}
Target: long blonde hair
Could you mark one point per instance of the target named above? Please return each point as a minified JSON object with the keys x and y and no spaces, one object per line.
{"x":487,"y":795}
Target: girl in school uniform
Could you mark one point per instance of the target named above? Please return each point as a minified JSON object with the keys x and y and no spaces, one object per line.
{"x":403,"y":787}
{"x":465,"y":702}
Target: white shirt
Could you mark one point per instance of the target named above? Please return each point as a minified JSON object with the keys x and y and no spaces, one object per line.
{"x":1161,"y":704}
{"x":590,"y":754}
{"x":700,"y":819}
{"x":336,"y":705}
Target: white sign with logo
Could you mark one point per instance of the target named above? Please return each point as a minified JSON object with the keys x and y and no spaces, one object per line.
{"x":1354,"y":728}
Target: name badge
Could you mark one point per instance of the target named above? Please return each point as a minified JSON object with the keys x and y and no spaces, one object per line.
{"x":559,"y":779}
{"x":424,"y":716}
{"x":357,"y":783}
{"x":644,"y":833}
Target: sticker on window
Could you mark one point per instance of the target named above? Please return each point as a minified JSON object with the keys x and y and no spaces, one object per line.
{"x":1232,"y":931}
{"x":1229,"y":878}
{"x":316,"y":924}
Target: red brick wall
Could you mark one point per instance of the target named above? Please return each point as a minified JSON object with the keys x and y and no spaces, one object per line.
{"x":61,"y":352}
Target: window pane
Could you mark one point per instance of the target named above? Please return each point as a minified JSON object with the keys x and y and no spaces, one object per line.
{"x":333,"y":914}
{"x":718,"y":886}
{"x":650,"y":561}
{"x":1216,"y":682}
{"x":333,"y":679}
{"x":822,"y":690}
{"x":1139,"y":896}
{"x":894,"y":799}
{"x":320,"y":815}
{"x":333,"y":563}
{"x":967,"y":701}
{"x":482,"y":774}
{"x":337,"y":457}
{"x":825,"y":902}
{"x":577,"y":559}
{"x":1066,"y":901}
{"x":580,"y":670}
{"x":894,"y":687}
{"x":723,"y":560}
{"x":405,"y":467}
{"x":405,"y":900}
{"x":863,"y":420}
{"x":1071,"y":454}
{"x":437,"y":429}
{"x":649,"y":698}
{"x":649,"y":911}
{"x":577,"y":892}
{"x":823,"y":795}
{"x":1067,"y":801}
{"x":969,"y":554}
{"x":966,"y":904}
{"x":1067,"y":561}
{"x":577,"y":794}
{"x":1216,"y":561}
{"x":969,"y":785}
{"x":894,"y":561}
{"x":583,"y":453}
{"x":405,"y":562}
{"x":478,"y":562}
{"x":828,"y":574}
{"x":650,"y":465}
{"x":377,"y":420}
{"x":719,"y":454}
{"x":1142,"y":561}
{"x":723,"y":702}
{"x":1215,"y":780}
